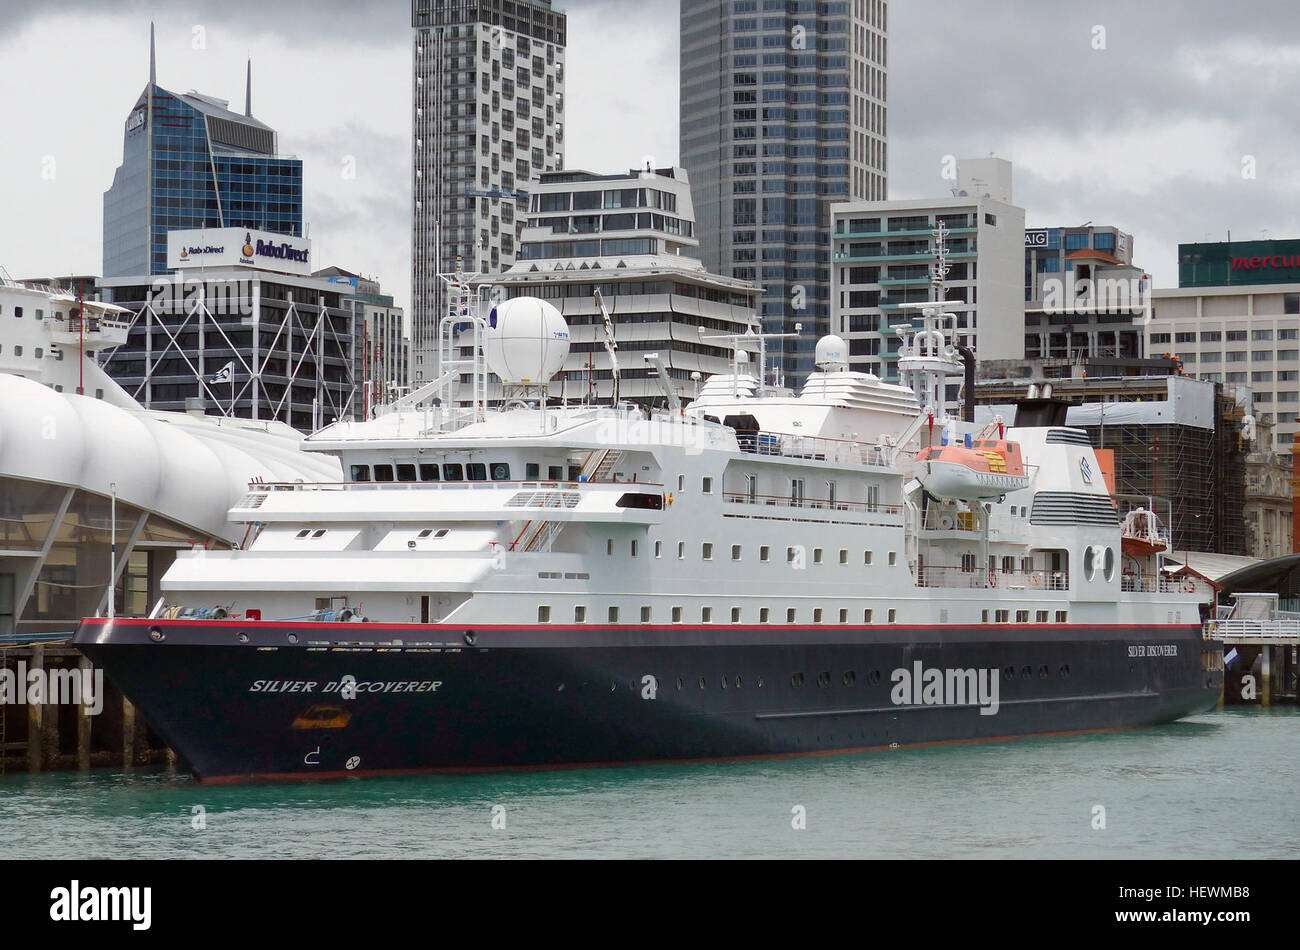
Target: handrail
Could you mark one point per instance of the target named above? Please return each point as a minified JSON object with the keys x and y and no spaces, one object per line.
{"x":1260,"y":629}
{"x":955,"y":576}
{"x":266,"y":487}
{"x":824,"y":503}
{"x":764,"y":442}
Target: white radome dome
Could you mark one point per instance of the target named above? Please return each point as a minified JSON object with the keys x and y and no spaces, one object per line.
{"x":831,"y":354}
{"x":529,"y":343}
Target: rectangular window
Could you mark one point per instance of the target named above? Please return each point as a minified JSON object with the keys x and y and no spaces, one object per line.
{"x":645,"y":614}
{"x":735,"y":552}
{"x":634,"y":547}
{"x":659,"y":549}
{"x":844,"y":615}
{"x":893,"y":558}
{"x":866,"y":558}
{"x":609,"y":546}
{"x":817,"y":555}
{"x":1001,"y":616}
{"x":706,"y":615}
{"x":763,"y":614}
{"x":677,"y":615}
{"x":681,"y":550}
{"x":1022,"y":616}
{"x":580,"y":614}
{"x":1062,"y":616}
{"x":817,"y":615}
{"x":706,"y":485}
{"x":706,"y":550}
{"x":893,"y":615}
{"x":796,"y":492}
{"x":764,"y":553}
{"x":789,"y":615}
{"x":361,"y":473}
{"x":613,"y":615}
{"x":1040,"y":616}
{"x":543,"y":614}
{"x":735,"y":615}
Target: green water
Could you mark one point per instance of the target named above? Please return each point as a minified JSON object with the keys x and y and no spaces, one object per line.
{"x":1219,"y":785}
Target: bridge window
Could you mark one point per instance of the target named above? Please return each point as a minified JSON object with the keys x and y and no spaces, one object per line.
{"x":406,"y":473}
{"x":361,"y":473}
{"x":383,"y":473}
{"x":476,"y":471}
{"x":429,"y":473}
{"x":500,"y":471}
{"x":453,"y":472}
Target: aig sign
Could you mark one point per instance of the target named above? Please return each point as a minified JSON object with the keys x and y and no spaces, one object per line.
{"x":1036,"y":238}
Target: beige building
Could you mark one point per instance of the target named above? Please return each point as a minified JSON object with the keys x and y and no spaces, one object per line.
{"x":1246,"y":335}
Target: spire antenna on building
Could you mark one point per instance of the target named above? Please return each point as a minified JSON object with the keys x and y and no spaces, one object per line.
{"x":153,"y":57}
{"x":248,"y":89}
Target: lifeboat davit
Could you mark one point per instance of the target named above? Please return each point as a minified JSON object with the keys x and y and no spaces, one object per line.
{"x":988,"y":468}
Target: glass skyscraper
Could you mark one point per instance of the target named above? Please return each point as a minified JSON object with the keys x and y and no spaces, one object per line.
{"x":190,"y":162}
{"x":782,"y":113}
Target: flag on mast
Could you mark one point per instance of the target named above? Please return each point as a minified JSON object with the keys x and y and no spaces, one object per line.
{"x":224,"y":375}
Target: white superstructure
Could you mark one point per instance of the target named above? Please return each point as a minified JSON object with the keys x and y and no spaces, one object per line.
{"x":751,"y":506}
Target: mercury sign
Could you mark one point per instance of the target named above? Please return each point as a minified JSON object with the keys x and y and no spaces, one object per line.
{"x":1036,"y":238}
{"x":238,"y":247}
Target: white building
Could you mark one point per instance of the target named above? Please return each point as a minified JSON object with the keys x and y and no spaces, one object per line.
{"x":1246,"y":335}
{"x":882,"y":256}
{"x":487,"y":119}
{"x":65,"y":457}
{"x":631,"y":236}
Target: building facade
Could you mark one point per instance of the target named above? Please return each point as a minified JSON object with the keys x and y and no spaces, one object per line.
{"x":487,"y":119}
{"x":383,"y":368}
{"x":1084,"y":296}
{"x":1270,"y":501}
{"x":783,"y":111}
{"x":883,"y":253}
{"x":632,"y":237}
{"x":1240,"y":334}
{"x":242,"y":338}
{"x":188,"y":161}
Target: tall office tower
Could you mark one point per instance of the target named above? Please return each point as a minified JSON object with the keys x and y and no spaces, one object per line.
{"x":488,"y":119}
{"x":782,"y":114}
{"x":188,"y":162}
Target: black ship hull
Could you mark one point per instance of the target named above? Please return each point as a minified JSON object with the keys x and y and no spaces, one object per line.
{"x":243,"y":701}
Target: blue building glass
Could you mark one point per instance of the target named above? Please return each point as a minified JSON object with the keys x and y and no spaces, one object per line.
{"x":190,"y":162}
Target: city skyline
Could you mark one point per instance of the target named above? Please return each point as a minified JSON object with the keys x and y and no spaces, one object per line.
{"x":1171,"y":167}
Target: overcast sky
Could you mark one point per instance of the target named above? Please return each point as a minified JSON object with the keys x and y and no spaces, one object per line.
{"x":1150,"y":133}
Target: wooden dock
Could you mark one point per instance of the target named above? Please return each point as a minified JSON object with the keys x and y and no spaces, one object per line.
{"x":48,"y":734}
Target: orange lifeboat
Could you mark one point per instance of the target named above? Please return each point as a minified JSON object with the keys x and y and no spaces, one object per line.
{"x":987,"y":468}
{"x":1141,"y":535}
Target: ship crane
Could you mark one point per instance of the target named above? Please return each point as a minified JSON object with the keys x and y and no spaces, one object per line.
{"x":611,"y":345}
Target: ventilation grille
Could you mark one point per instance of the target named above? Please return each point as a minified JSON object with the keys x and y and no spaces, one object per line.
{"x":225,"y":132}
{"x":1073,"y":508}
{"x":1068,"y":437}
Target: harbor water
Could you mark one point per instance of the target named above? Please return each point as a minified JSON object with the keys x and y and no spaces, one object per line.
{"x":1217,"y":785}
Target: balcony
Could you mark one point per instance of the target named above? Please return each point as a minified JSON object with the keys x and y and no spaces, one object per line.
{"x":957,"y":577}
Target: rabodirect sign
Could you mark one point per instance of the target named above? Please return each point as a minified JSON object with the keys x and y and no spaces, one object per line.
{"x":233,"y":247}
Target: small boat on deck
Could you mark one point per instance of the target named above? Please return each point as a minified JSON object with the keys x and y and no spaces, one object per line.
{"x":1141,"y":535}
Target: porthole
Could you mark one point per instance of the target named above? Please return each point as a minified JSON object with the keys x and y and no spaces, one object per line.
{"x":1043,"y":672}
{"x":739,"y":682}
{"x":759,"y":682}
{"x":796,"y":679}
{"x":1090,"y":563}
{"x":850,"y":678}
{"x":1065,"y":670}
{"x":1027,"y":672}
{"x":680,"y":684}
{"x":874,"y":678}
{"x":1108,"y":564}
{"x":1009,"y":673}
{"x":241,"y":637}
{"x":823,"y":680}
{"x":469,"y":638}
{"x":156,"y":634}
{"x":724,"y":682}
{"x":702,"y":682}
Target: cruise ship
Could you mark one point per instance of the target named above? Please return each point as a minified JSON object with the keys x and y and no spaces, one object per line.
{"x":527,"y":582}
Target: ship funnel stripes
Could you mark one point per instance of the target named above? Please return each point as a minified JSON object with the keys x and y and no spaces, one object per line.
{"x":1073,"y":508}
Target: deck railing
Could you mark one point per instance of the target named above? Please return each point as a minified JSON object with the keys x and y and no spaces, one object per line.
{"x":931,"y":575}
{"x":818,"y":448}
